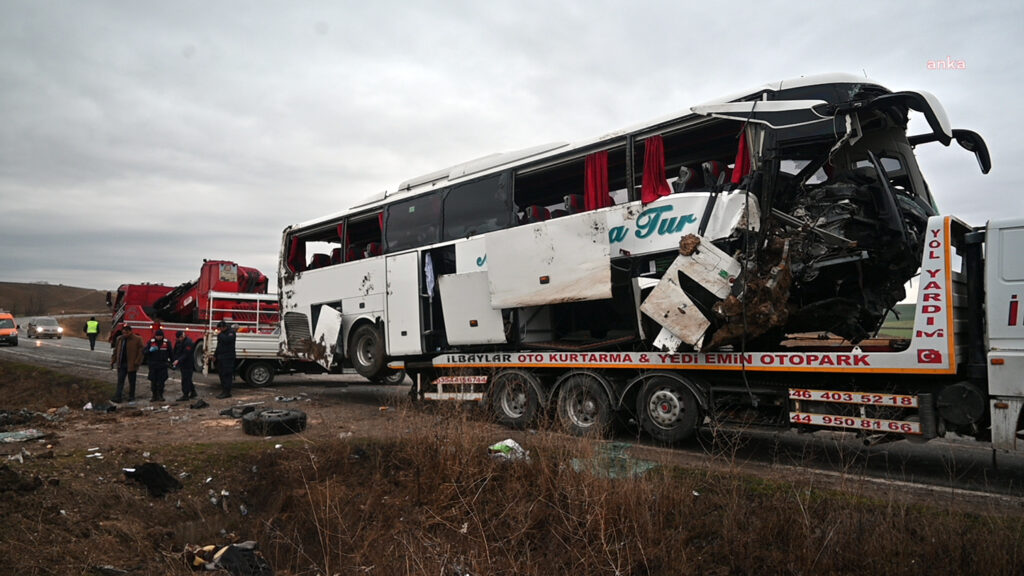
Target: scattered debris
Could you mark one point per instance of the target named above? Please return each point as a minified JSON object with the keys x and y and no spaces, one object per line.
{"x":11,"y":481}
{"x":99,"y":407}
{"x":155,"y":477}
{"x":242,"y":559}
{"x":20,"y":435}
{"x":611,"y":461}
{"x":106,"y":570}
{"x":273,"y":422}
{"x":508,"y":449}
{"x":200,"y":403}
{"x":286,"y":398}
{"x":16,"y":417}
{"x":237,"y":411}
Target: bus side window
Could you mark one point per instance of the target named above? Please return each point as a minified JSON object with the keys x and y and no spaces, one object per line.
{"x":476,"y":207}
{"x":413,"y":223}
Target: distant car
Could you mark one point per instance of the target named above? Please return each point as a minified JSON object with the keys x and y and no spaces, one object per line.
{"x":8,"y":329}
{"x":44,"y":327}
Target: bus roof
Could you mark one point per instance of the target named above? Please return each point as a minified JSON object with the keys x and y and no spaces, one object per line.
{"x":501,"y":160}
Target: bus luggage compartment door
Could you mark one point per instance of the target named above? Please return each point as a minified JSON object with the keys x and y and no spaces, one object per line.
{"x":402,"y":312}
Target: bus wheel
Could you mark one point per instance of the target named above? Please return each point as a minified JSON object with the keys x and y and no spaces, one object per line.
{"x":583,"y":406}
{"x":368,"y":351}
{"x":259,"y":374}
{"x":667,"y":410}
{"x":514,"y":398}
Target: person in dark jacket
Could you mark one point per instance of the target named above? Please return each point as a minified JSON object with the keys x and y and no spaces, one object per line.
{"x":225,"y":357}
{"x":184,"y":361}
{"x":126,"y":357}
{"x":158,"y":356}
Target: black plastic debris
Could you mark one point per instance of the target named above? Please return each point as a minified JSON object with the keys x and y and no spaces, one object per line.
{"x":200,"y":403}
{"x":155,"y":477}
{"x":237,"y":411}
{"x":11,"y":481}
{"x":237,"y":559}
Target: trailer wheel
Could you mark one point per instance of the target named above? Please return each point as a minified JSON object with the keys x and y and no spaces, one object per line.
{"x":258,"y":374}
{"x":391,"y":377}
{"x":368,"y":351}
{"x":273,"y":422}
{"x":583,"y":406}
{"x":514,"y":398}
{"x":667,"y":410}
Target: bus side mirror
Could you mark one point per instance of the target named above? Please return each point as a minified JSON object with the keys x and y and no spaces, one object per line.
{"x":972,"y":142}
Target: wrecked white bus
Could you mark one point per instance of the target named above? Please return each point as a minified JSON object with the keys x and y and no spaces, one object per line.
{"x":663,"y":270}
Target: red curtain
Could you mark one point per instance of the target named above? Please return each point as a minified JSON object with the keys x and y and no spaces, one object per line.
{"x":595,"y":189}
{"x":654,"y":184}
{"x":742,"y":167}
{"x":297,"y":255}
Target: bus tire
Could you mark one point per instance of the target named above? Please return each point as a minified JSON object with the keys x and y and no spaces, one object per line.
{"x":368,"y":351}
{"x":515,"y":398}
{"x":667,"y":410}
{"x":584,"y":408}
{"x":258,"y":374}
{"x":273,"y":422}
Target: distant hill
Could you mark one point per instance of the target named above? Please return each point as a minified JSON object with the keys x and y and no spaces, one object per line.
{"x":902,"y":327}
{"x":23,"y":299}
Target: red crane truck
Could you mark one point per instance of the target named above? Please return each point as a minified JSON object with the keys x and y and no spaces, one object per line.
{"x":148,"y":307}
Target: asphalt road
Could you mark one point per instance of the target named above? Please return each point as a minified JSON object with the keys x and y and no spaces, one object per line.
{"x":946,"y":465}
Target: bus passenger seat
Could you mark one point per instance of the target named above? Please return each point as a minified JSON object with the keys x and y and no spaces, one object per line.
{"x":319,"y":261}
{"x":558,"y":213}
{"x":574,"y":203}
{"x":535,"y":213}
{"x":353,"y":254}
{"x":336,"y":256}
{"x":372,"y":249}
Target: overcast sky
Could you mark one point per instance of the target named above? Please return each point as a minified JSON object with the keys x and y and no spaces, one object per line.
{"x":139,"y":137}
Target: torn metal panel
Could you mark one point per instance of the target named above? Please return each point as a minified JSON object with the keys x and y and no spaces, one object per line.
{"x":466,"y":306}
{"x":671,"y":307}
{"x":325,"y":337}
{"x":699,"y":268}
{"x":568,"y":261}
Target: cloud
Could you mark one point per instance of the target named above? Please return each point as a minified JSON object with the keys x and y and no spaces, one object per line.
{"x":142,"y":137}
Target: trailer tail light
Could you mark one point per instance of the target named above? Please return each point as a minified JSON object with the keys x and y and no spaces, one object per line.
{"x":545,"y":279}
{"x":998,"y":361}
{"x":1000,"y":405}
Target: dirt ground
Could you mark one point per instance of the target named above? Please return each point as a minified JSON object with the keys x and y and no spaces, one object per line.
{"x":377,"y":485}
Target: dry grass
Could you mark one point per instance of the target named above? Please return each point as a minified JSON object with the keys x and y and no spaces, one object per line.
{"x":435,"y":503}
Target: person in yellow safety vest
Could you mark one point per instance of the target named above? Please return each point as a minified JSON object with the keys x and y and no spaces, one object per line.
{"x":92,"y":330}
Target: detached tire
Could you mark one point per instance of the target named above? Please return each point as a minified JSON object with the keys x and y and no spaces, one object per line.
{"x":367,"y":352}
{"x":259,"y":374}
{"x":273,"y":422}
